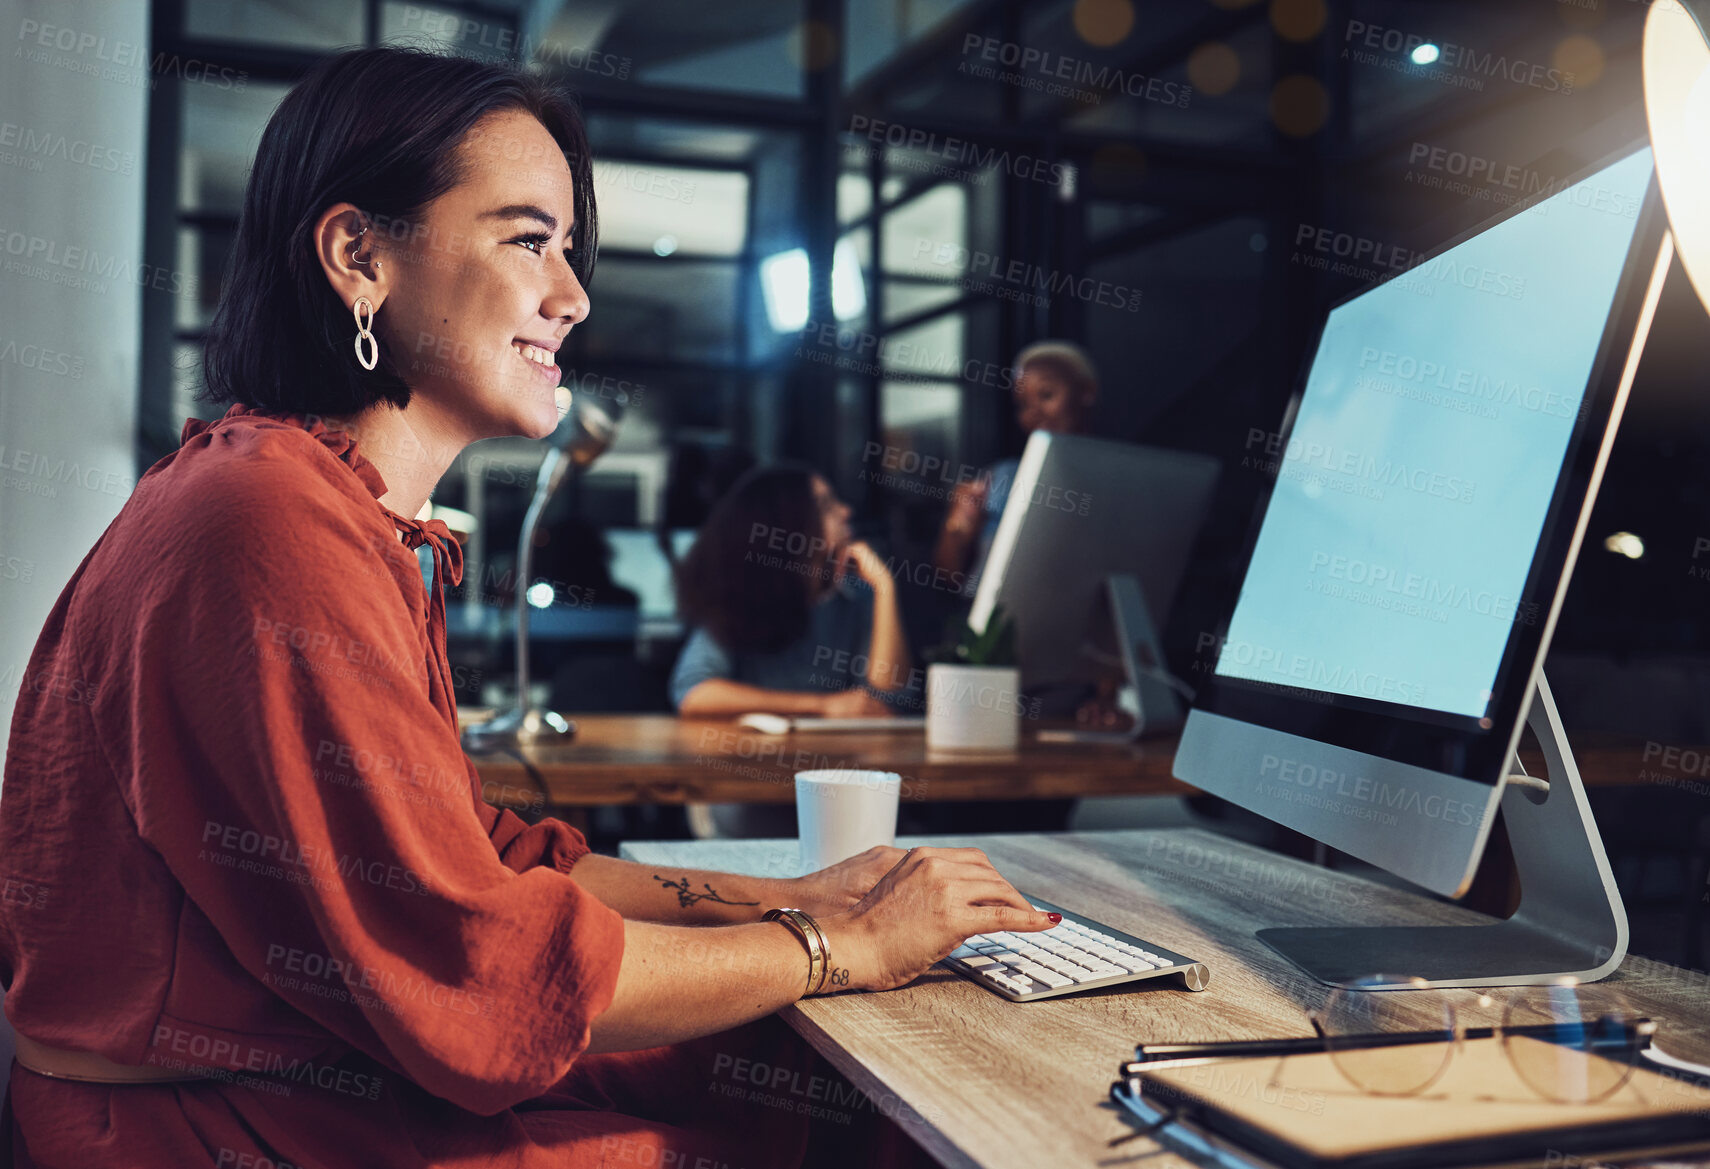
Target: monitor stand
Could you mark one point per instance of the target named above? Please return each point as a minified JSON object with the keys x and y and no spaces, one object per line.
{"x":1147,"y":696}
{"x":1570,"y":922}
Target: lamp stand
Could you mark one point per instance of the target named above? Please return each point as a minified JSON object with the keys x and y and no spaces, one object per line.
{"x":523,"y":723}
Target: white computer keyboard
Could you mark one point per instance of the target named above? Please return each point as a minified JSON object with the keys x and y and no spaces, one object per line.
{"x":1076,"y":954}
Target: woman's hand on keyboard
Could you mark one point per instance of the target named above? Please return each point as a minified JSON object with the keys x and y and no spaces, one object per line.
{"x":841,"y":886}
{"x":928,"y":904}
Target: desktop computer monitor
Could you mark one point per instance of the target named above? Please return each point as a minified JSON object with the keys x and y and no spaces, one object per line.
{"x":1430,"y":492}
{"x":1087,"y":558}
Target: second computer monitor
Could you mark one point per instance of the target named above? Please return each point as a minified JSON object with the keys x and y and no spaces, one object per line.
{"x":1080,"y":511}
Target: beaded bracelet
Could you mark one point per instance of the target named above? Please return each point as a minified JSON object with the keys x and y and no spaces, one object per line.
{"x":812,"y":937}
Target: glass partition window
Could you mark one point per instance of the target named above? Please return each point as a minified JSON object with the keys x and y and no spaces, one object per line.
{"x":310,"y":24}
{"x":221,"y":129}
{"x":203,"y":252}
{"x":653,"y":207}
{"x":932,"y":349}
{"x":927,"y":236}
{"x":447,"y":30}
{"x":925,"y":420}
{"x":684,"y":310}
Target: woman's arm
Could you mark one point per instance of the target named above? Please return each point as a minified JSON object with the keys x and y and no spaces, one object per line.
{"x":722,"y":697}
{"x":888,"y":663}
{"x":692,"y":897}
{"x":681,"y":982}
{"x":702,"y":686}
{"x":961,"y":527}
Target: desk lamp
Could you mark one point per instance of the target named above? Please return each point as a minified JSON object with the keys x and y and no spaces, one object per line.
{"x":1677,"y":103}
{"x":586,"y":433}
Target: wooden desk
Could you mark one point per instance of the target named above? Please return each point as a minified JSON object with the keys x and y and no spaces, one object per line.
{"x":986,"y":1082}
{"x":662,"y":759}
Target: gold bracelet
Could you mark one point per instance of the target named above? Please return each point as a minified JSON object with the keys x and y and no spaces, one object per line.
{"x":812,"y":937}
{"x":824,"y":949}
{"x":807,"y":931}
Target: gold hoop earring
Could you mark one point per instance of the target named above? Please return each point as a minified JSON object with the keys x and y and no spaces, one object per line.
{"x":363,"y":311}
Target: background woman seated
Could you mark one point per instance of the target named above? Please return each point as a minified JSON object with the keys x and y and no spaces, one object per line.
{"x":791,"y":615}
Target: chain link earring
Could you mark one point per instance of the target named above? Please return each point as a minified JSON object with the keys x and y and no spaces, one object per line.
{"x":363,"y":311}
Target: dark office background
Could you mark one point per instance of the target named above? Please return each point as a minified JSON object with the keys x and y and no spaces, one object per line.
{"x":1188,"y":200}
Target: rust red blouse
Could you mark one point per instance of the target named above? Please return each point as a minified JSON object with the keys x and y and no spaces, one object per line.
{"x":239,"y":835}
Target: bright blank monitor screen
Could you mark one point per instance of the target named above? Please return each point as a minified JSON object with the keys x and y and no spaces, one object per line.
{"x":1412,"y":489}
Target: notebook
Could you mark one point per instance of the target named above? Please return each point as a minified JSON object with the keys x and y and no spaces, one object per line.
{"x":1299,"y":1111}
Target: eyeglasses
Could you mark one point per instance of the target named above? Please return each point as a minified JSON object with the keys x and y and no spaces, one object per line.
{"x":1568,"y":1042}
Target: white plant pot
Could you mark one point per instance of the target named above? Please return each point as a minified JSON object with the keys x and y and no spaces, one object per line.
{"x":973,"y":708}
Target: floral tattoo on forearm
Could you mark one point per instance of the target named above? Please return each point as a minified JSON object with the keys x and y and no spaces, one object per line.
{"x":687,"y":896}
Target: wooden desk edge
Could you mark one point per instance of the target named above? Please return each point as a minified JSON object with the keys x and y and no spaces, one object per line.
{"x":920,"y":1129}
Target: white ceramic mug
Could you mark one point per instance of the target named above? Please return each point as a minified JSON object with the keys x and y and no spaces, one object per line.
{"x":844,"y":811}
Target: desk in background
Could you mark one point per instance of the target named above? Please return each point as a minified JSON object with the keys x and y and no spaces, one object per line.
{"x":662,"y":759}
{"x":982,"y":1082}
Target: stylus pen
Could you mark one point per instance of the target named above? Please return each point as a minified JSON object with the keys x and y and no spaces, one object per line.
{"x":1152,"y":1055}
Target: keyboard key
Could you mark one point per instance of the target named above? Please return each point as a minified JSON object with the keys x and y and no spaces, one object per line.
{"x":1070,"y":955}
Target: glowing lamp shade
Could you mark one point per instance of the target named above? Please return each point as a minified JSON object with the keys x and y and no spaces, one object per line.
{"x":784,"y":286}
{"x":1677,"y":102}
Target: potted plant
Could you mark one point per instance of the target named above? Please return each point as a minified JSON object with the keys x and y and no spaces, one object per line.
{"x":973,"y":689}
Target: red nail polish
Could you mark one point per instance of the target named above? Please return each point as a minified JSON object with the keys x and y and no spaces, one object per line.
{"x":1055,"y":917}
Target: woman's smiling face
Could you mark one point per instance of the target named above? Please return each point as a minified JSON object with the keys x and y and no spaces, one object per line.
{"x":480,"y":292}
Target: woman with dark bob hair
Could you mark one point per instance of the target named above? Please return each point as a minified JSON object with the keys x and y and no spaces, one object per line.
{"x":283,"y":928}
